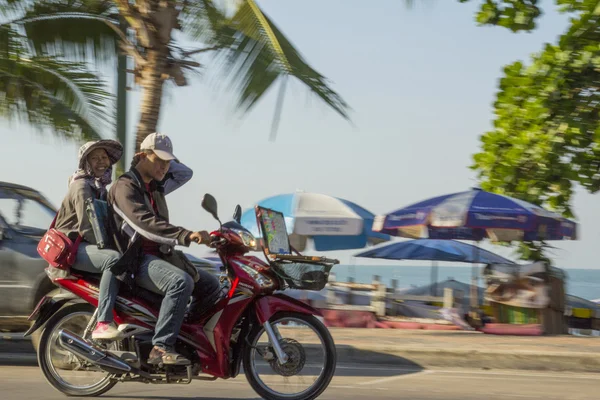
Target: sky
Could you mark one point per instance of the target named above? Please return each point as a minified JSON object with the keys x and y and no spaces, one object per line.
{"x":421,"y":83}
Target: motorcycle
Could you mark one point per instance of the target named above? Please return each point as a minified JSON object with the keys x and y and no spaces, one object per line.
{"x":250,"y":324}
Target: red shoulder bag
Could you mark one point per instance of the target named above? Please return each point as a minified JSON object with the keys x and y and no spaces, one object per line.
{"x":56,"y":248}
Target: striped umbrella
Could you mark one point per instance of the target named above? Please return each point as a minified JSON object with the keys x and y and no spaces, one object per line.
{"x":330,"y":222}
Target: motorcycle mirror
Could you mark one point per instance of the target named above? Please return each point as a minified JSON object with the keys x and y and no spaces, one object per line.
{"x":237,"y":214}
{"x":209,"y":203}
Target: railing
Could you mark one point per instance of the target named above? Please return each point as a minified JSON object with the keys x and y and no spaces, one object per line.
{"x":382,"y":298}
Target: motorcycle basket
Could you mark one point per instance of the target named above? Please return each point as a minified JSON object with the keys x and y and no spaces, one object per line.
{"x":302,"y":275}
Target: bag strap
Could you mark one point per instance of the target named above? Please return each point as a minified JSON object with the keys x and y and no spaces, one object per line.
{"x":73,"y":254}
{"x":54,"y":221}
{"x":77,"y":241}
{"x":79,"y":237}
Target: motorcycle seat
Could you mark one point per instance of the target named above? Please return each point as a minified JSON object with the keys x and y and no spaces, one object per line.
{"x":138,"y":292}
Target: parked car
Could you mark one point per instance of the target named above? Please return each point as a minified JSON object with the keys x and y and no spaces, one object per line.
{"x":25,"y":215}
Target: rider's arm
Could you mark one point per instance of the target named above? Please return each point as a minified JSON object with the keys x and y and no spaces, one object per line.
{"x":128,"y":202}
{"x":178,"y":175}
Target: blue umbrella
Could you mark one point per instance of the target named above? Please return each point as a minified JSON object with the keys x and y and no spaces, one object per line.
{"x":332,"y":223}
{"x":474,"y":215}
{"x":434,"y":250}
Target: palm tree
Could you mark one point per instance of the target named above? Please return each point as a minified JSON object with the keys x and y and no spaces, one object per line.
{"x":47,"y":92}
{"x":239,"y":39}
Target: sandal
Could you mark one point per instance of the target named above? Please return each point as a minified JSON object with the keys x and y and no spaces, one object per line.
{"x":161,"y":356}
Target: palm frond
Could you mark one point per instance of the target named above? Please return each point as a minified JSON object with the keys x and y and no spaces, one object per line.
{"x":204,"y":22}
{"x":261,"y":53}
{"x":50,"y":93}
{"x":78,"y":30}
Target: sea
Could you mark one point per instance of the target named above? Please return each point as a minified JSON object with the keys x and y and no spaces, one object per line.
{"x":584,"y":283}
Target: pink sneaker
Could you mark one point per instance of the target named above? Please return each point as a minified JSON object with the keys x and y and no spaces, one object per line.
{"x":106,"y":331}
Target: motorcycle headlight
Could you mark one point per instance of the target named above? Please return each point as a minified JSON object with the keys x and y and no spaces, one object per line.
{"x":262,"y":280}
{"x":247,"y":238}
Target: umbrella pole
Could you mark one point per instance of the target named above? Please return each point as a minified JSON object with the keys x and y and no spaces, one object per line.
{"x":474,"y":286}
{"x":434,"y":277}
{"x":351,"y":271}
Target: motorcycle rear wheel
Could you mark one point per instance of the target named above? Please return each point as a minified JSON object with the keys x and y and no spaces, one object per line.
{"x":48,"y":343}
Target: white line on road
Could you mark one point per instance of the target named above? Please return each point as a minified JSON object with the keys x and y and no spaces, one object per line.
{"x":393,"y":378}
{"x":354,"y":387}
{"x":366,"y":368}
{"x":520,"y":373}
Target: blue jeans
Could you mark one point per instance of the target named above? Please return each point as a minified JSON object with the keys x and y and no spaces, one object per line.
{"x":204,"y":291}
{"x":92,"y":259}
{"x":176,"y":286}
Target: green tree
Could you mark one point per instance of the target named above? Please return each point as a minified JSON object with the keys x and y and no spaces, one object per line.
{"x":237,"y":38}
{"x":45,"y":91}
{"x":546,"y":135}
{"x":516,"y":15}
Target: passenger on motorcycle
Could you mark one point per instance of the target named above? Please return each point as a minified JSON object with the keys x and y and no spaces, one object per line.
{"x":93,"y":175}
{"x":140,"y":210}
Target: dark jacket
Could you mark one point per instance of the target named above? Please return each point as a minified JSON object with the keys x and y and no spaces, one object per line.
{"x":72,"y":218}
{"x":134,"y":216}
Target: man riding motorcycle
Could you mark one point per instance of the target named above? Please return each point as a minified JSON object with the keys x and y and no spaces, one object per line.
{"x":141,"y":215}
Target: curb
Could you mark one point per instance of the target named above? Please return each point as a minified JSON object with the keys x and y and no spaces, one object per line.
{"x":13,"y":344}
{"x":18,"y":359}
{"x":19,"y":351}
{"x":474,"y":359}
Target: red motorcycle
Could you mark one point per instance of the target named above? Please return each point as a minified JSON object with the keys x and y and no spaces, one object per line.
{"x":287,"y":353}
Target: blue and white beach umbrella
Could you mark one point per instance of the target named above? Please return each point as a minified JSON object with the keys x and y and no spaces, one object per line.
{"x":332,"y":223}
{"x":474,"y":215}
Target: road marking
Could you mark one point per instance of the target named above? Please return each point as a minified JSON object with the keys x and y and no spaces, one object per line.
{"x":355,"y":387}
{"x":16,"y":286}
{"x":361,"y":368}
{"x":521,"y":373}
{"x":393,"y":378}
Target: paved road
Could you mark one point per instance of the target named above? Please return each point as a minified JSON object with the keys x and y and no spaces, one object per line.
{"x":351,"y":382}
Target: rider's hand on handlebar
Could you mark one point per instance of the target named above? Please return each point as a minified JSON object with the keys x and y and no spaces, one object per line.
{"x":201,"y":237}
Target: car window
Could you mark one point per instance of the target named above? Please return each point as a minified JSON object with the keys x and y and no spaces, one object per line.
{"x":24,"y":213}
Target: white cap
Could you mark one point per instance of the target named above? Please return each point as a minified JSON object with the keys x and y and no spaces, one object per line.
{"x":160,"y":144}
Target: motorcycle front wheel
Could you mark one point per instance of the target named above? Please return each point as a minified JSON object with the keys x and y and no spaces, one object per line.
{"x":311,"y":358}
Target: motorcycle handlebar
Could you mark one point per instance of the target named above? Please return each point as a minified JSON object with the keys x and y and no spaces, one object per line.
{"x":216,"y":241}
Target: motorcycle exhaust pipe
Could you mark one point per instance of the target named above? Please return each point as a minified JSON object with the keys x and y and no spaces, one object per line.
{"x":92,"y":353}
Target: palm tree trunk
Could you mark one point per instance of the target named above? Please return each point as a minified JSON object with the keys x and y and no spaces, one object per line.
{"x":152,"y":89}
{"x":122,"y":102}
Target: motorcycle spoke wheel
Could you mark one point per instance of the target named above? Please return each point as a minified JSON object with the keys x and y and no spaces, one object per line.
{"x":311,"y":359}
{"x":64,"y":370}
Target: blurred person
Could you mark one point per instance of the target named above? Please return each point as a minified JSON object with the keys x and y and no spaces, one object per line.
{"x":139,"y":207}
{"x":90,"y":181}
